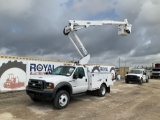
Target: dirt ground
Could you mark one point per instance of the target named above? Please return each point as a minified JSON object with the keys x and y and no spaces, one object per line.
{"x":125,"y":102}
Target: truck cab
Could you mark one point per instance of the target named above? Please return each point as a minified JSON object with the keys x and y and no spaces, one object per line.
{"x":136,"y":75}
{"x":66,"y":81}
{"x":155,"y":73}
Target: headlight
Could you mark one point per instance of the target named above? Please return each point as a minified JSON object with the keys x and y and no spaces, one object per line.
{"x":50,"y":85}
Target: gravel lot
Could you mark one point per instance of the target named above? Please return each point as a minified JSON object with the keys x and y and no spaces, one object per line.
{"x":125,"y":102}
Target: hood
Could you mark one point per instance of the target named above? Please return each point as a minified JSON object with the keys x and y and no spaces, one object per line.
{"x":51,"y":78}
{"x":133,"y":74}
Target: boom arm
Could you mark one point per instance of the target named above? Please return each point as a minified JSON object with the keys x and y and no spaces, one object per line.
{"x":124,"y":28}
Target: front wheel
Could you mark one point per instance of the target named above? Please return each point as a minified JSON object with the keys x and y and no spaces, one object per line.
{"x":147,"y":80}
{"x":102,"y":91}
{"x":141,"y":81}
{"x":127,"y":81}
{"x":61,"y":99}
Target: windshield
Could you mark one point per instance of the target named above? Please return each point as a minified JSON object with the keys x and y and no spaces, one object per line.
{"x":136,"y":71}
{"x":155,"y":69}
{"x":63,"y":70}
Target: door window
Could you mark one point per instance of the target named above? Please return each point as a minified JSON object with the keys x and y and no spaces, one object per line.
{"x":80,"y":71}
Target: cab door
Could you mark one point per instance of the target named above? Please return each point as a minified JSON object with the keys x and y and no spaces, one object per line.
{"x":80,"y":81}
{"x":144,"y":75}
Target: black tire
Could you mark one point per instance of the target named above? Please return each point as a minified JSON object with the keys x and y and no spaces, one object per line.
{"x":127,"y":81}
{"x":147,"y":80}
{"x":141,"y":81}
{"x":102,"y":91}
{"x":35,"y":99}
{"x":108,"y":89}
{"x":61,"y":99}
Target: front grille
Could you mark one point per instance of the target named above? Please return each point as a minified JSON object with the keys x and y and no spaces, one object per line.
{"x":157,"y":74}
{"x":36,"y":84}
{"x":132,"y":77}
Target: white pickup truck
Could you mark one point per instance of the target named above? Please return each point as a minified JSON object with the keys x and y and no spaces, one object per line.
{"x":67,"y":81}
{"x":137,"y":75}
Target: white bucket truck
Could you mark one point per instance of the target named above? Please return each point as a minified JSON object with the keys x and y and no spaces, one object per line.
{"x":67,"y":81}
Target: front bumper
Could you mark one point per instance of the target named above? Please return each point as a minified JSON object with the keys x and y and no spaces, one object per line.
{"x":132,"y":78}
{"x":155,"y":76}
{"x":46,"y":94}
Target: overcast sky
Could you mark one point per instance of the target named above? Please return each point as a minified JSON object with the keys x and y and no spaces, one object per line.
{"x":34,"y":28}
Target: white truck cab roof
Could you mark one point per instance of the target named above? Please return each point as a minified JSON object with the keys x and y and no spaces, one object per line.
{"x":136,"y":71}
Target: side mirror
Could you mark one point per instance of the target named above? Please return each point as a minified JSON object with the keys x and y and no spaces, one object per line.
{"x":75,"y":76}
{"x":80,"y":76}
{"x":126,"y":72}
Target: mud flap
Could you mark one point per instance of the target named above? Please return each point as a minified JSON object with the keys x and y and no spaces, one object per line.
{"x":108,"y":89}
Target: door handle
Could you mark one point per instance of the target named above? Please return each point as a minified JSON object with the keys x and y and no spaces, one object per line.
{"x":86,"y":80}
